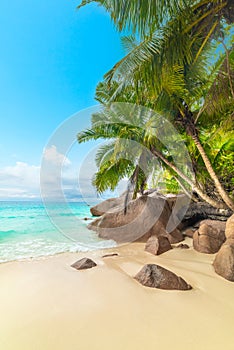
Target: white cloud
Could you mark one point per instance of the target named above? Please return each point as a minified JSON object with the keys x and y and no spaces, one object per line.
{"x":16,"y":193}
{"x":21,"y":174}
{"x":52,"y":173}
{"x":55,"y":178}
{"x":52,"y":156}
{"x":22,"y":180}
{"x":19,"y":181}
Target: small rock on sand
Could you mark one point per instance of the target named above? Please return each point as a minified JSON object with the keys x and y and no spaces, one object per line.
{"x":83,"y":264}
{"x":182,"y":246}
{"x":156,"y":276}
{"x":109,"y":255}
{"x":157,"y":245}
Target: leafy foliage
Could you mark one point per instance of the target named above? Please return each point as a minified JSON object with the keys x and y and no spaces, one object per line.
{"x":170,"y":68}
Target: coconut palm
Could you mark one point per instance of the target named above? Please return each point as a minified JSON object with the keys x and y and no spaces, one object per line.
{"x":166,"y":69}
{"x":143,"y":15}
{"x":124,"y":155}
{"x":173,"y":95}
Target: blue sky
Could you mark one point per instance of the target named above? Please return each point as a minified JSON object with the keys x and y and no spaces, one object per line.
{"x":52,"y":57}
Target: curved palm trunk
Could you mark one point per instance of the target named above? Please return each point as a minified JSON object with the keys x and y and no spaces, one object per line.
{"x":212,"y":174}
{"x":185,"y":190}
{"x":203,"y":195}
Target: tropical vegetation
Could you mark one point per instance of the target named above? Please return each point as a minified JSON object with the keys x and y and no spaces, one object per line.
{"x":179,"y":64}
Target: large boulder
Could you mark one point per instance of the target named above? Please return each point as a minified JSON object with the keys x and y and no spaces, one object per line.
{"x":174,"y":236}
{"x":209,"y":237}
{"x":144,"y":217}
{"x":156,"y":276}
{"x":189,"y":232}
{"x":229,"y":232}
{"x":84,"y":264}
{"x":220,"y":225}
{"x":198,"y":211}
{"x":93,"y":225}
{"x":107,"y":205}
{"x":224,"y":260}
{"x":157,"y":245}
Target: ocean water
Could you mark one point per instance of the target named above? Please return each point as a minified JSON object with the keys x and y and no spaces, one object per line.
{"x":29,"y":230}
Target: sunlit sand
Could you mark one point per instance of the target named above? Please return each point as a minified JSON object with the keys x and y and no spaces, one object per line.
{"x":45,"y":304}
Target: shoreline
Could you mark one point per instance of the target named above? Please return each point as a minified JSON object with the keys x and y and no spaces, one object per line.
{"x":49,"y":305}
{"x":44,"y":257}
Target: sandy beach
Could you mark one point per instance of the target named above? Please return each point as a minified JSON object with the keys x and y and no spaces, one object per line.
{"x":45,"y":304}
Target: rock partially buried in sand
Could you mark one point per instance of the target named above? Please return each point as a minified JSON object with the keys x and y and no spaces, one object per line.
{"x":84,"y":264}
{"x":157,"y":245}
{"x":155,"y":276}
{"x":182,"y":246}
{"x":208,"y":238}
{"x":110,"y":255}
{"x":224,"y":260}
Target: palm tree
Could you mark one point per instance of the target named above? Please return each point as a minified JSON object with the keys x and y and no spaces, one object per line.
{"x":126,"y":154}
{"x":143,"y":16}
{"x":166,"y":68}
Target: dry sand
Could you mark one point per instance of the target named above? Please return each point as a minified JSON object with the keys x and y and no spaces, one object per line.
{"x":47,"y":305}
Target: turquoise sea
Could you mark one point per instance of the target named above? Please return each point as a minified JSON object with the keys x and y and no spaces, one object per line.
{"x":29,"y":230}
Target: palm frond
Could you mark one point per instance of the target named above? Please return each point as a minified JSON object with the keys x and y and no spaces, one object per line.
{"x":219,"y":97}
{"x":140,"y":53}
{"x":104,"y":153}
{"x":109,"y":175}
{"x":139,"y":15}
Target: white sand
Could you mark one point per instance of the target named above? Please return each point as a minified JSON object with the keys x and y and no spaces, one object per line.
{"x":47,"y":305}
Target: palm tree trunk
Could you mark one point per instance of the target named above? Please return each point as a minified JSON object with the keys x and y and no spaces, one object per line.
{"x":132,"y":185}
{"x":212,"y":174}
{"x":185,"y":190}
{"x":195,"y":188}
{"x":134,"y":180}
